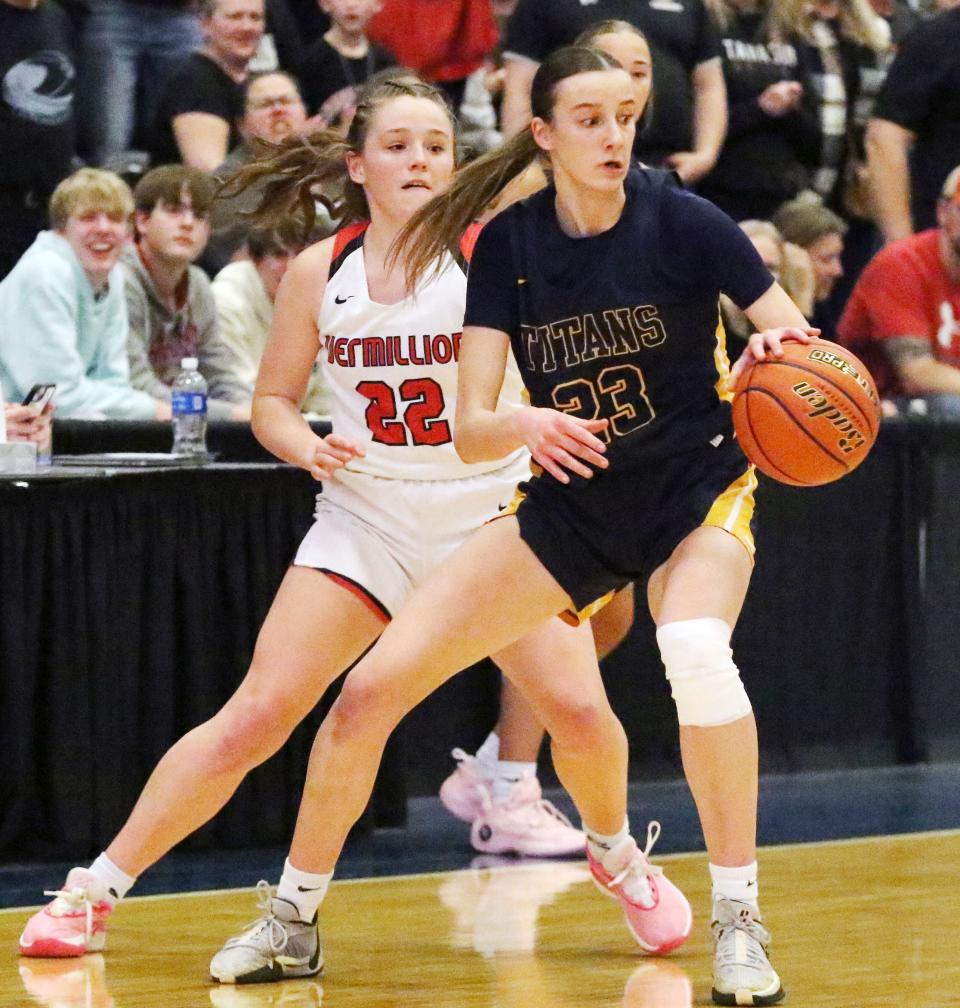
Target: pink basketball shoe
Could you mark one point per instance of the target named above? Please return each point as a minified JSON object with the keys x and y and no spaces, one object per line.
{"x":73,"y":924}
{"x":524,"y":823}
{"x":461,"y":794}
{"x":657,"y":913}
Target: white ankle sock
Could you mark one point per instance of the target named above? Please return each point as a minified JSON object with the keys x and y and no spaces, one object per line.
{"x":117,"y":882}
{"x":305,"y":890}
{"x":735,"y":883}
{"x":488,"y":754}
{"x":507,"y":773}
{"x":600,"y":844}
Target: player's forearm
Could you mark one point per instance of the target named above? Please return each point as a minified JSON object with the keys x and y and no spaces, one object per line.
{"x":482,"y":435}
{"x":888,"y":148}
{"x":280,"y":427}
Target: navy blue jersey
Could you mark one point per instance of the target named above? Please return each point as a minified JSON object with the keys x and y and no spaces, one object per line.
{"x":622,"y":325}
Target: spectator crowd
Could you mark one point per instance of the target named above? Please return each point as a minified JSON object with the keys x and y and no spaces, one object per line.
{"x":829,"y":128}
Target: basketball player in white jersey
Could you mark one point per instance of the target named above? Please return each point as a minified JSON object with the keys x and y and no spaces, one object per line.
{"x":396,"y":501}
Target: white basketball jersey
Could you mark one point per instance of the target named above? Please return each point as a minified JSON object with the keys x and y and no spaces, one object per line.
{"x":392,"y":369}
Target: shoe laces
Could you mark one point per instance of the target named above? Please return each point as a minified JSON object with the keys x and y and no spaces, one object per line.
{"x":740,"y":917}
{"x":634,"y":877}
{"x":268,"y":925}
{"x":68,"y":902}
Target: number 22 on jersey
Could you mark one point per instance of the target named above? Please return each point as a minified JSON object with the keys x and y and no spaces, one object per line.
{"x":419,"y":400}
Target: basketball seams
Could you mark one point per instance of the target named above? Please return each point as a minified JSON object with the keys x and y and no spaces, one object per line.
{"x":830,"y":380}
{"x":796,"y":423}
{"x":755,"y":444}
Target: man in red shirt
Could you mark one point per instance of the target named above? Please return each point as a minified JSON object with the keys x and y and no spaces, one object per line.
{"x":903,"y":317}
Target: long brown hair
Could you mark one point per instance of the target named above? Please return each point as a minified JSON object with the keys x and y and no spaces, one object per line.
{"x":437,"y":226}
{"x":858,"y":22}
{"x":300,"y":171}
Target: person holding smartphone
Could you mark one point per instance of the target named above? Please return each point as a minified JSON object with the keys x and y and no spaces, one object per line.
{"x":29,"y":422}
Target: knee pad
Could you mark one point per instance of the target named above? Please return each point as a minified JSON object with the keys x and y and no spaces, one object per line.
{"x":704,"y":680}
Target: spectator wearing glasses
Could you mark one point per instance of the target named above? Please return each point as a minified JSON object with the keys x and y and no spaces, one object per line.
{"x":820,"y":232}
{"x":169,"y":302}
{"x":272,"y":111}
{"x":199,"y":110}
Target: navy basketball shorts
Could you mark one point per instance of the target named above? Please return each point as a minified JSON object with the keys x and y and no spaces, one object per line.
{"x":595,"y":536}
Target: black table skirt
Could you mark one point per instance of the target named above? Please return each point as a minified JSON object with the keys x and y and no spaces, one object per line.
{"x":129,"y":612}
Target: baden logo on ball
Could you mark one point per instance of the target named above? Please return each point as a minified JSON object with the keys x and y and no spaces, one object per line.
{"x":808,"y":417}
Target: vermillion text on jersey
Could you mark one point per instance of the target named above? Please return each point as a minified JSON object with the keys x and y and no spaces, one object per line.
{"x":393,"y":351}
{"x":613,"y":332}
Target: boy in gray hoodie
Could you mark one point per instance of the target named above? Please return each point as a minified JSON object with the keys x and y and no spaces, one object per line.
{"x":171,"y":310}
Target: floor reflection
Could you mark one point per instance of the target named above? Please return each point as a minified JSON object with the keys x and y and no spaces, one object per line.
{"x":67,"y":983}
{"x":289,"y":994}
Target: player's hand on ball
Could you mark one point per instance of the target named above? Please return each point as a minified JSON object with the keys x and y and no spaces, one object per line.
{"x":330,"y":454}
{"x":769,"y":343}
{"x":560,"y":442}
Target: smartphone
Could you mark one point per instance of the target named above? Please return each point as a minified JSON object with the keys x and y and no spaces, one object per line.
{"x":39,"y":395}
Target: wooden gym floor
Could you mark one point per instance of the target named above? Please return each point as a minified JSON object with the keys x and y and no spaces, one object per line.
{"x":857,"y":924}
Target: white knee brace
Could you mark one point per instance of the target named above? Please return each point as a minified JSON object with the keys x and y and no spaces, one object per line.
{"x":703,"y":678}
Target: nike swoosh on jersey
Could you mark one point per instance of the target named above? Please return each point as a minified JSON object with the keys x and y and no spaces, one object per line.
{"x":340,"y":300}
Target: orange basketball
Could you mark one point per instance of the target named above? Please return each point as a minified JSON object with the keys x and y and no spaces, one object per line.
{"x":809,"y":417}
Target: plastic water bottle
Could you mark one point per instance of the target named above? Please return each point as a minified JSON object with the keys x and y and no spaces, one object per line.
{"x":189,"y":407}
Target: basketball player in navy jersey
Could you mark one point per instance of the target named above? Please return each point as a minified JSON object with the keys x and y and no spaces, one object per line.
{"x":606,"y":287}
{"x":396,"y":501}
{"x":478,"y":790}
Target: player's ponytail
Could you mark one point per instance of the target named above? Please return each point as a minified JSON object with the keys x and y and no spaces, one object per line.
{"x":437,"y":226}
{"x":293,"y":176}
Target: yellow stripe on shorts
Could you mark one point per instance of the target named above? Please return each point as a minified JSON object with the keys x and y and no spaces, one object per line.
{"x":733,"y":510}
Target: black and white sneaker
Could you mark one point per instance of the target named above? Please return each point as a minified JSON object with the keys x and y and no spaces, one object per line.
{"x":276,"y":946}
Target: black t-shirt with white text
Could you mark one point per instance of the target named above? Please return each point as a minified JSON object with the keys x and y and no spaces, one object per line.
{"x":765,"y":160}
{"x":37,"y":84}
{"x":679,"y":32}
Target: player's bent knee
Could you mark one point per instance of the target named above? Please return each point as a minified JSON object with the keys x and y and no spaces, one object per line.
{"x":579,"y":726}
{"x":245,"y":738}
{"x":361,"y":708}
{"x":704,"y":679}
